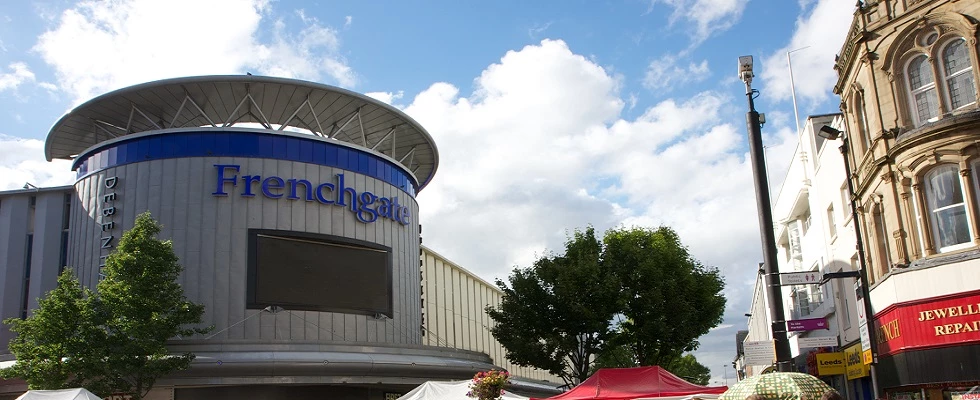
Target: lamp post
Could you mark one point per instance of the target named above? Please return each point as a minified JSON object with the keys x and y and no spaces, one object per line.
{"x":752,"y":120}
{"x":828,"y":132}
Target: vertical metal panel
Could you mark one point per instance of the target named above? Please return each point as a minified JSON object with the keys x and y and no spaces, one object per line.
{"x":13,"y":246}
{"x":46,"y":252}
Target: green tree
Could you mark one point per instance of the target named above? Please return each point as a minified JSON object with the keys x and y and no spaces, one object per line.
{"x":688,"y":368}
{"x":113,"y":341}
{"x":144,"y":306}
{"x":57,"y":346}
{"x":558,"y":314}
{"x":670,"y":298}
{"x":555,"y":314}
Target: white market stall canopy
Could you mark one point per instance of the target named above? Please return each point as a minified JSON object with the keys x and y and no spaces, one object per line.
{"x":433,"y":390}
{"x":63,"y":394}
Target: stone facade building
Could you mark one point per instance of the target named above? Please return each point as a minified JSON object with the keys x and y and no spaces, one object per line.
{"x":908,"y":75}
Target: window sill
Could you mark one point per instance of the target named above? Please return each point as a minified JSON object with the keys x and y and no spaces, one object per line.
{"x":967,"y":115}
{"x":935,"y":260}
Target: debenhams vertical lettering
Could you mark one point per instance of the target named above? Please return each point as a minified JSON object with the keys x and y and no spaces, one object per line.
{"x":107,"y":224}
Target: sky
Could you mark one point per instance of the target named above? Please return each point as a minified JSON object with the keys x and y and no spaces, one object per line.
{"x":549,"y":116}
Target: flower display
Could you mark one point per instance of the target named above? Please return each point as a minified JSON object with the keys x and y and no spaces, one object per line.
{"x":488,"y":385}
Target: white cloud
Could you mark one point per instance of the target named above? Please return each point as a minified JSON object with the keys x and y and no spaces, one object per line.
{"x":823,"y":28}
{"x":22,"y":161}
{"x":705,"y":16}
{"x":541,"y":146}
{"x":100,"y":46}
{"x":386,"y":97}
{"x":348,"y":20}
{"x":664,"y":73}
{"x":19,"y":73}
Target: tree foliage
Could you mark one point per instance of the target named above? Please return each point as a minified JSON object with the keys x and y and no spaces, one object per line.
{"x":144,"y":306}
{"x":113,"y":341}
{"x":555,"y":314}
{"x":672,"y":299}
{"x":54,"y":346}
{"x":558,"y":314}
{"x":688,"y":368}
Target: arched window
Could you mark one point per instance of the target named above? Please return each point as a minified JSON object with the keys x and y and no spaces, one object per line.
{"x":958,"y":73}
{"x":946,"y":211}
{"x":861,"y":114}
{"x":922,"y":90}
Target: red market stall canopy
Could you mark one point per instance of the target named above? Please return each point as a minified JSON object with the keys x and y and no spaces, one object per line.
{"x":637,"y":383}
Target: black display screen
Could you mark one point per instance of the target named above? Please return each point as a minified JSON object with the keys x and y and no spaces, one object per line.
{"x":299,"y":271}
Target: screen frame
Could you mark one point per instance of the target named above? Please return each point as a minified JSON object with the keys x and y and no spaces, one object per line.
{"x":252,"y":269}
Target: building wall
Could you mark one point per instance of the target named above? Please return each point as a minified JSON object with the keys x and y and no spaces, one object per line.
{"x":898,"y":141}
{"x":40,"y":215}
{"x":454,"y":303}
{"x":210,"y":236}
{"x":814,"y":234}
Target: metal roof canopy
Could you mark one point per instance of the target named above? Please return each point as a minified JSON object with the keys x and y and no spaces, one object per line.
{"x":274,"y":103}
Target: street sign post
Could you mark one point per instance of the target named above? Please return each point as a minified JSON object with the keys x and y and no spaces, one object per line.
{"x":800,"y":278}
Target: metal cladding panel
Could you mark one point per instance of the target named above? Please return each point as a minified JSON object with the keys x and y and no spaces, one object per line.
{"x":210,"y":236}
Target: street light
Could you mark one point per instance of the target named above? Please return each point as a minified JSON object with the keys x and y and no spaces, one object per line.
{"x":757,"y":152}
{"x":830,"y":133}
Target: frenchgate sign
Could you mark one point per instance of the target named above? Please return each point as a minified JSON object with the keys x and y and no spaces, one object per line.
{"x":366,"y":206}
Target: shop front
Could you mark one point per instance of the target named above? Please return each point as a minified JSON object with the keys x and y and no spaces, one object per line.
{"x":929,"y":349}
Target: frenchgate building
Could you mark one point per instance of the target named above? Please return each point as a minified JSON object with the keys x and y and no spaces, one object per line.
{"x":291,"y":206}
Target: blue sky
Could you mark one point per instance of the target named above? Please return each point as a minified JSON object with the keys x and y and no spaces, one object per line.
{"x":549,"y":115}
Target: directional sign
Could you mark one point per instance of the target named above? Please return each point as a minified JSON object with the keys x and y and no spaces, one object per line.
{"x":759,"y":353}
{"x":811,"y":324}
{"x":800,"y":278}
{"x":820,"y":341}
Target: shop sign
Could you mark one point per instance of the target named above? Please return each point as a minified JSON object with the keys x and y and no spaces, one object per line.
{"x":811,"y":324}
{"x":946,"y":321}
{"x":830,"y":364}
{"x":854,"y":368}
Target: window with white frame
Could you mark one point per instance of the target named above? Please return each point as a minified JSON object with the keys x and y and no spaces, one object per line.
{"x":845,"y":201}
{"x":975,"y":173}
{"x":946,"y":210}
{"x":948,"y":58}
{"x":958,"y":73}
{"x":922,"y":90}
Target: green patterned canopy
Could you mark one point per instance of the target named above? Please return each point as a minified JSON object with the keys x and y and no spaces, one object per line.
{"x":779,"y":386}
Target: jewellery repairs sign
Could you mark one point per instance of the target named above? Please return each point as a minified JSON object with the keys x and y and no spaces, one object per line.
{"x":811,"y":324}
{"x":944,"y":321}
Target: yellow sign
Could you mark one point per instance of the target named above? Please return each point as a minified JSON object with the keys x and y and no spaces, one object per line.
{"x":866,"y":357}
{"x":854,"y":366}
{"x":830,"y":364}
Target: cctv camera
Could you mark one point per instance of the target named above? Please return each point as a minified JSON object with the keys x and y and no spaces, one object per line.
{"x":745,"y":67}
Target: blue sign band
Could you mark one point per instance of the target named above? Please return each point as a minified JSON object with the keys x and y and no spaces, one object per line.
{"x":246,"y":145}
